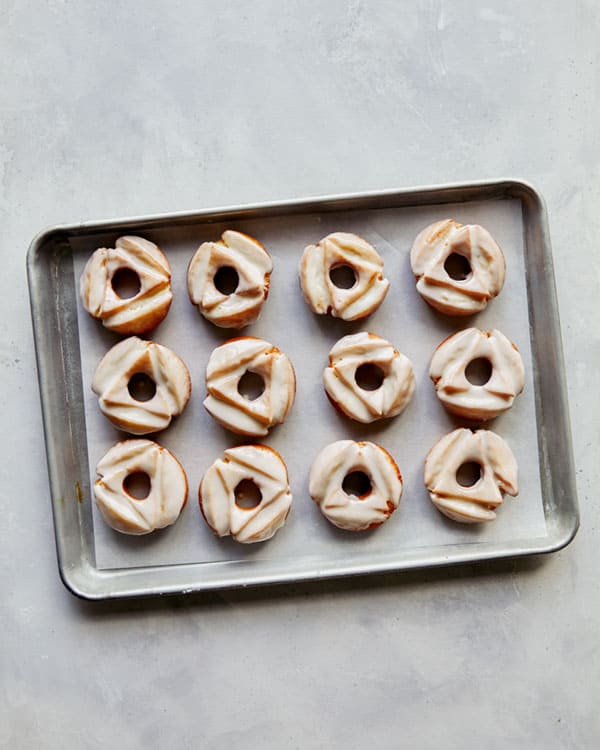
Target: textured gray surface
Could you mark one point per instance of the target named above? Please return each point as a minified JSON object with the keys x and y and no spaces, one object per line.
{"x":123,"y":108}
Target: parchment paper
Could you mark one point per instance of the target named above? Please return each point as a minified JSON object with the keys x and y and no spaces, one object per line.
{"x":286,"y":321}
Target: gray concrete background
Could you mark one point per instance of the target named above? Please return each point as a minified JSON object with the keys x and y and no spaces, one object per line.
{"x":110,"y":109}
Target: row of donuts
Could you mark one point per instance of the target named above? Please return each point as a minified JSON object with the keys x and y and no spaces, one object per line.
{"x":246,"y":493}
{"x":367,"y":379}
{"x":458,"y":269}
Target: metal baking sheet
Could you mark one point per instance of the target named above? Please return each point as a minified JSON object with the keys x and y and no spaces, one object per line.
{"x":96,"y":562}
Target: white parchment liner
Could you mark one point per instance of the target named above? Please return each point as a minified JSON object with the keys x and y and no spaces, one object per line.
{"x":286,"y":321}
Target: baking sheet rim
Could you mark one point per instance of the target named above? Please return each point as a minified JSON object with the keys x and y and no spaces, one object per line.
{"x":78,"y":571}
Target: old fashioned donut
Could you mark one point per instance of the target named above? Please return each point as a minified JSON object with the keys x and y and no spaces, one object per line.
{"x":356,"y":485}
{"x":228,"y":367}
{"x":167,"y":493}
{"x":124,"y":381}
{"x":478,"y":272}
{"x":228,"y":279}
{"x":351,"y":253}
{"x":449,"y":371}
{"x":145,"y":310}
{"x":246,"y":494}
{"x":495,"y":473}
{"x":367,"y":379}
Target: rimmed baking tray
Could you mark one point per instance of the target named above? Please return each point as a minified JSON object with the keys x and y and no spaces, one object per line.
{"x":304,"y":551}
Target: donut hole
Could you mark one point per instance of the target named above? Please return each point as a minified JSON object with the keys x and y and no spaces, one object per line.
{"x":457,"y":267}
{"x":126,"y":283}
{"x":369,"y":376}
{"x":226,"y":280}
{"x":247,"y":494}
{"x":342,"y":276}
{"x":357,"y":483}
{"x":469,"y":473}
{"x":251,"y":385}
{"x":141,"y":387}
{"x":478,"y":371}
{"x":137,"y":485}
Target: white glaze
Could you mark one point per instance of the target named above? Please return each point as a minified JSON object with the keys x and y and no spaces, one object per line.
{"x":396,"y":390}
{"x":164,"y":367}
{"x":168,"y":490}
{"x":343,"y":249}
{"x":498,"y":475}
{"x":227,"y":364}
{"x":267,"y":470}
{"x":253,"y":265}
{"x":429,"y":252}
{"x":480,"y":402}
{"x":329,"y":470}
{"x":148,"y":307}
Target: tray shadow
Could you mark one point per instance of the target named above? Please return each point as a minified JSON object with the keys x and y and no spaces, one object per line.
{"x":325,"y":589}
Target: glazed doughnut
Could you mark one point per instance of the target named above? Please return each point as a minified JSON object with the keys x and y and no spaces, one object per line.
{"x":483,"y":273}
{"x":342,"y":249}
{"x":222,"y":490}
{"x":497,"y":469}
{"x":168,"y":487}
{"x":380,"y":494}
{"x":115,"y":377}
{"x":245,"y":258}
{"x":140,"y":313}
{"x":341,"y":379}
{"x":478,"y":402}
{"x":227,"y":366}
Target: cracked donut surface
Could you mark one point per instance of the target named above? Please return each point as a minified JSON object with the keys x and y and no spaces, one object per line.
{"x":245,"y":257}
{"x":380,"y":497}
{"x":347,"y":357}
{"x":468,"y":400}
{"x":218,"y":500}
{"x":168,"y":373}
{"x":483,"y":277}
{"x":167,"y":493}
{"x":146,"y":309}
{"x":498,"y":475}
{"x":227,"y":365}
{"x":342,"y":249}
